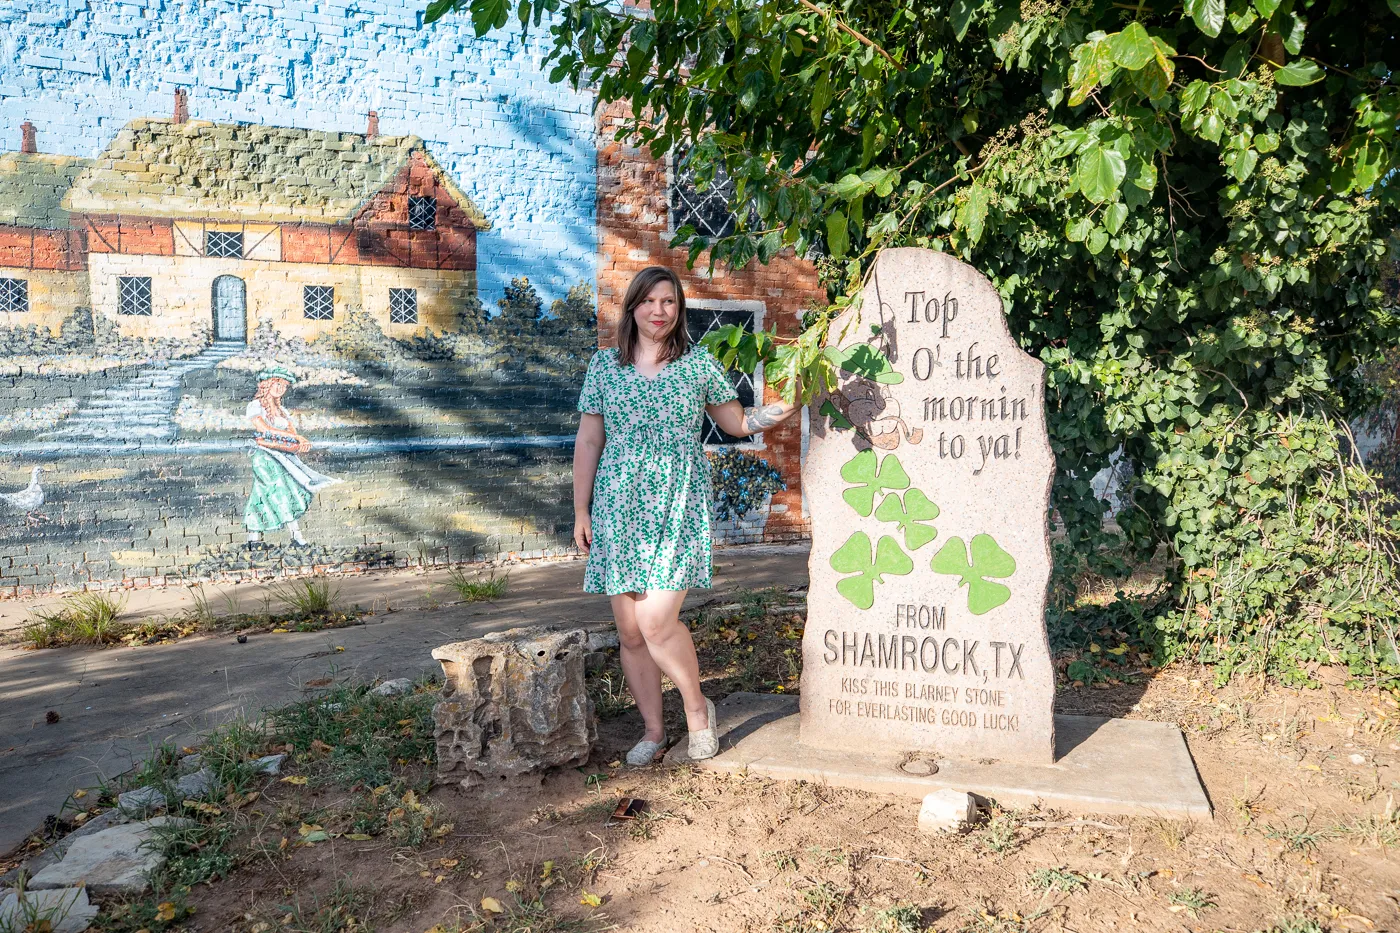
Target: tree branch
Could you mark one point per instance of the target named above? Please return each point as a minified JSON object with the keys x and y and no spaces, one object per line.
{"x":851,"y":32}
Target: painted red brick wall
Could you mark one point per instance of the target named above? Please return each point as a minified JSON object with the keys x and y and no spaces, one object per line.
{"x":632,"y":234}
{"x":131,"y":235}
{"x":32,"y":248}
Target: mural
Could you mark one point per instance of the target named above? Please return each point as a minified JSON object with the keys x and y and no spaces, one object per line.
{"x":150,"y":291}
{"x":290,"y":285}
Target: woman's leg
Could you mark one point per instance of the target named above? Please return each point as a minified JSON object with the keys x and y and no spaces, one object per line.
{"x":658,"y":617}
{"x":642,"y":674}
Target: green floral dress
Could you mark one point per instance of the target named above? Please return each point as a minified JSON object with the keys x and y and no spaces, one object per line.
{"x":651,"y":498}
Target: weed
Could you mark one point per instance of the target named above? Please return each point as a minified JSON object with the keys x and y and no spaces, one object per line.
{"x":84,"y":619}
{"x":309,"y":596}
{"x":829,"y":857}
{"x":1296,"y":925}
{"x":150,"y":913}
{"x":533,"y":915}
{"x":608,"y":690}
{"x":1246,"y":805}
{"x":201,"y":612}
{"x":346,"y":907}
{"x":1381,"y":831}
{"x":1192,"y":900}
{"x":1295,"y":840}
{"x":1000,"y":835}
{"x":195,"y":852}
{"x":781,"y":861}
{"x":473,"y":589}
{"x":1056,"y":879}
{"x":898,"y":918}
{"x":826,"y":899}
{"x":1173,"y":833}
{"x":984,"y":920}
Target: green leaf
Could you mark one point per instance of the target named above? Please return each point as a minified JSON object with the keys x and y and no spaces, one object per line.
{"x":1241,"y":162}
{"x":909,"y":513}
{"x":1152,"y":81}
{"x":836,"y":237}
{"x":838,"y":421}
{"x":988,"y":560}
{"x":973,"y":214}
{"x":438,"y":9}
{"x":1266,"y":8}
{"x":849,"y":187}
{"x":1098,"y":239}
{"x":871,"y":476}
{"x":821,"y":98}
{"x":1298,"y":73}
{"x":1132,"y":48}
{"x":1077,"y":231}
{"x":962,"y":17}
{"x":1093,"y":65}
{"x":1209,"y":15}
{"x":1114,"y":215}
{"x":1394,"y":6}
{"x":1100,"y":172}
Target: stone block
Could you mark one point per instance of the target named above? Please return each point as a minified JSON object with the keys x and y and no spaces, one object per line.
{"x":946,"y":811}
{"x":64,"y":910}
{"x":115,"y":861}
{"x":399,"y":686}
{"x":513,"y":702}
{"x":141,"y":801}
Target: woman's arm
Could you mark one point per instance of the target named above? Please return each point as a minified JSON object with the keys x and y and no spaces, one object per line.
{"x":588,"y":448}
{"x":293,"y":439}
{"x":737,"y":421}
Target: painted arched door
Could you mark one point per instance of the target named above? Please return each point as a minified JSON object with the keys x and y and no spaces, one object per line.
{"x":230,"y":309}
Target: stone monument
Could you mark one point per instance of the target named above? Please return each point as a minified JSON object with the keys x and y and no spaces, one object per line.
{"x":928,"y":483}
{"x":925,"y":663}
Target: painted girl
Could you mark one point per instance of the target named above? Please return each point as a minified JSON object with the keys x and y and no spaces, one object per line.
{"x":283,"y":486}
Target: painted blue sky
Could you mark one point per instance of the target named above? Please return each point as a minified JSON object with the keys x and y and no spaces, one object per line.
{"x":522,"y":148}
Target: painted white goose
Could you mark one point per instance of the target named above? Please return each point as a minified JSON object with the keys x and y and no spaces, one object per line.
{"x":27,"y":500}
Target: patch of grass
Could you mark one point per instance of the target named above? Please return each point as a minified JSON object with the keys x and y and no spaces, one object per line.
{"x":83,"y":619}
{"x":349,"y":736}
{"x":474,"y":589}
{"x":781,"y":861}
{"x":1296,"y":839}
{"x":1173,"y":833}
{"x":533,"y":915}
{"x":1296,"y":925}
{"x":306,"y":597}
{"x":1000,"y":834}
{"x":897,"y":918}
{"x":986,"y":920}
{"x":1192,"y":900}
{"x":195,"y":852}
{"x":608,"y":690}
{"x":346,"y":907}
{"x":151,"y":913}
{"x":1056,"y":879}
{"x":1381,"y":831}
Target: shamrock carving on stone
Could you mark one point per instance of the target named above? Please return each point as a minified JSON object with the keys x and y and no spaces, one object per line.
{"x":871,"y":475}
{"x":910,"y":514}
{"x":988,"y":560}
{"x":854,"y":557}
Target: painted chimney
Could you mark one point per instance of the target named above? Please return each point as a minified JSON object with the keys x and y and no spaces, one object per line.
{"x":27,"y":142}
{"x":182,"y":106}
{"x":372,"y":130}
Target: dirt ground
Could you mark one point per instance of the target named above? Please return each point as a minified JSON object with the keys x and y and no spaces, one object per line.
{"x":1303,"y":838}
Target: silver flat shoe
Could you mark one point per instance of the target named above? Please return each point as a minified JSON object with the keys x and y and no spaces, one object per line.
{"x":705,"y":743}
{"x":644,"y":752}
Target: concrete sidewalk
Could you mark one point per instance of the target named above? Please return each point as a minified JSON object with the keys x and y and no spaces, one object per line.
{"x":116,"y":704}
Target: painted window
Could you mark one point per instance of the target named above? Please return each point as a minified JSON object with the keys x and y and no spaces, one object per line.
{"x":134,"y":295}
{"x":403,"y":306}
{"x":14,"y":296}
{"x":707,"y":211}
{"x":223,"y":243}
{"x":703,"y":316}
{"x":318,"y":302}
{"x":422,"y":213}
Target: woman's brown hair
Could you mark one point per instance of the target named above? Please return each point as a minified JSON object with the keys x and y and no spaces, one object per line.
{"x":677,"y":342}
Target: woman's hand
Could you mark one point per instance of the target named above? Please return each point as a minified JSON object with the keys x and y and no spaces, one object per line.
{"x":583,"y":531}
{"x":303,"y":444}
{"x":736,"y":420}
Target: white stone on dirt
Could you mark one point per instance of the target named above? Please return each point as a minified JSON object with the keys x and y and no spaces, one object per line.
{"x":945,"y":811}
{"x":141,"y":801}
{"x":399,"y":686}
{"x":118,"y":860}
{"x":1357,"y":759}
{"x":597,"y":641}
{"x":66,"y":910}
{"x":270,"y":764}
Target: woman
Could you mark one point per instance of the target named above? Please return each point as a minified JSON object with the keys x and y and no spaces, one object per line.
{"x":283,"y":486}
{"x":642,"y":494}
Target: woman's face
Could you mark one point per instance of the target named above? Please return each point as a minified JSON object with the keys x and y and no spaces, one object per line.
{"x":277,"y":388}
{"x":658,"y":311}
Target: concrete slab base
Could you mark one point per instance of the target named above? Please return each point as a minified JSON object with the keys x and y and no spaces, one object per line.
{"x":1119,"y":766}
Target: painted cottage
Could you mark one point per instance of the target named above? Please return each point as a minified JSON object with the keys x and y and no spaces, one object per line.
{"x":190,"y":229}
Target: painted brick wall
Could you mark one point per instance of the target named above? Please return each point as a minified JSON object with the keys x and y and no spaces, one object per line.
{"x":135,"y":357}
